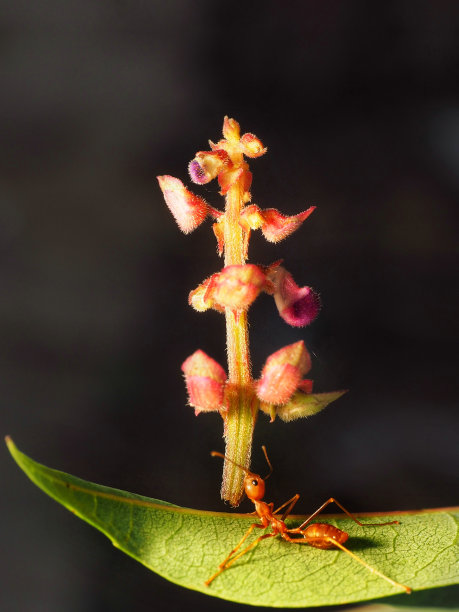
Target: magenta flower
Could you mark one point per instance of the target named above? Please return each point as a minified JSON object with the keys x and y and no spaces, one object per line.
{"x":298,"y":306}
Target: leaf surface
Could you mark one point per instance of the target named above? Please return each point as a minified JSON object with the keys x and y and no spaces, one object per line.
{"x":185,"y":546}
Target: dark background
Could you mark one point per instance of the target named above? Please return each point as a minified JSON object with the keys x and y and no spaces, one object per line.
{"x":358,"y":104}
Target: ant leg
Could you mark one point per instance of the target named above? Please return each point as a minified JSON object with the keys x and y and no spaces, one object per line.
{"x":290,"y":503}
{"x":354,"y":556}
{"x":227,"y":563}
{"x":332,"y":500}
{"x":371,"y":569}
{"x":235,"y":549}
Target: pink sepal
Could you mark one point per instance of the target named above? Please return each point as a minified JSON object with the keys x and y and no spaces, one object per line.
{"x":205,"y":381}
{"x":274,"y":225}
{"x":282,"y":373}
{"x":188,"y":209}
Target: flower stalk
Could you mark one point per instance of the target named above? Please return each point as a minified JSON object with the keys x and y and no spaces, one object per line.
{"x":241,"y":405}
{"x":236,"y":396}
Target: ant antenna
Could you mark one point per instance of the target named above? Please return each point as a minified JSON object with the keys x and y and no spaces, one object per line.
{"x":268,"y":462}
{"x":217,"y":454}
{"x":248,"y":472}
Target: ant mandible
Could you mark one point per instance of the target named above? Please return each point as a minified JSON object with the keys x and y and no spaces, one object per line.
{"x":318,"y":535}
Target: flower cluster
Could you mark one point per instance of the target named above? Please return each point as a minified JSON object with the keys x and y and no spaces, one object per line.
{"x":237,"y":286}
{"x":281,"y":389}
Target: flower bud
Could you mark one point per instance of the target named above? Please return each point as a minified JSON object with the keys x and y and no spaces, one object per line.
{"x":205,"y":382}
{"x":252,"y":146}
{"x":282,"y":373}
{"x":236,"y":287}
{"x":298,"y":306}
{"x":188,"y":209}
{"x":231,"y":129}
{"x":207,"y":165}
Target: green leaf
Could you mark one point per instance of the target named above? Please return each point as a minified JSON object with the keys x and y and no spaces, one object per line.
{"x":306,"y":404}
{"x":186,"y":546}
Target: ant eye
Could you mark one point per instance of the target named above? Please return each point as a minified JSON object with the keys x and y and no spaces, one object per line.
{"x":254,"y":482}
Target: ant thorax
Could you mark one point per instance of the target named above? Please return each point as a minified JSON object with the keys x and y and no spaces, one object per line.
{"x":262,"y":508}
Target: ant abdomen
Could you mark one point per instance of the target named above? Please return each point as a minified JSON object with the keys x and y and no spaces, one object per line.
{"x":322,"y":535}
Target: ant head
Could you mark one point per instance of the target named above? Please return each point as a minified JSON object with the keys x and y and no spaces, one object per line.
{"x":254,"y":484}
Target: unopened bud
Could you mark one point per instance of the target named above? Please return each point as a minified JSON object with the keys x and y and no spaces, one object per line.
{"x":236,"y":287}
{"x":282,"y":373}
{"x":252,"y":146}
{"x":188,"y":209}
{"x":231,"y":129}
{"x":205,"y":382}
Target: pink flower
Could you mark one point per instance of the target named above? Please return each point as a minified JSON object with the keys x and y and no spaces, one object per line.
{"x":207,"y":165}
{"x":282,"y":373}
{"x":298,"y":306}
{"x":205,"y":381}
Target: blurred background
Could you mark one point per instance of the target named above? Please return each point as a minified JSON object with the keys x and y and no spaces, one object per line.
{"x":358,"y":104}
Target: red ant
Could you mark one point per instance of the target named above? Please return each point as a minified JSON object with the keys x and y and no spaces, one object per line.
{"x":318,"y":535}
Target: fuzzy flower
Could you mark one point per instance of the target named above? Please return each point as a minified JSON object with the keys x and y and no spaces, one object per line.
{"x":282,"y":373}
{"x":298,"y":306}
{"x":205,"y":381}
{"x":207,"y":165}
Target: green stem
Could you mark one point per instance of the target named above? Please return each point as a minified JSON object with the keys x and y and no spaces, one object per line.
{"x":240,"y":400}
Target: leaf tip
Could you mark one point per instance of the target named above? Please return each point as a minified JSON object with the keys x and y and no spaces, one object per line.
{"x":10,"y":444}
